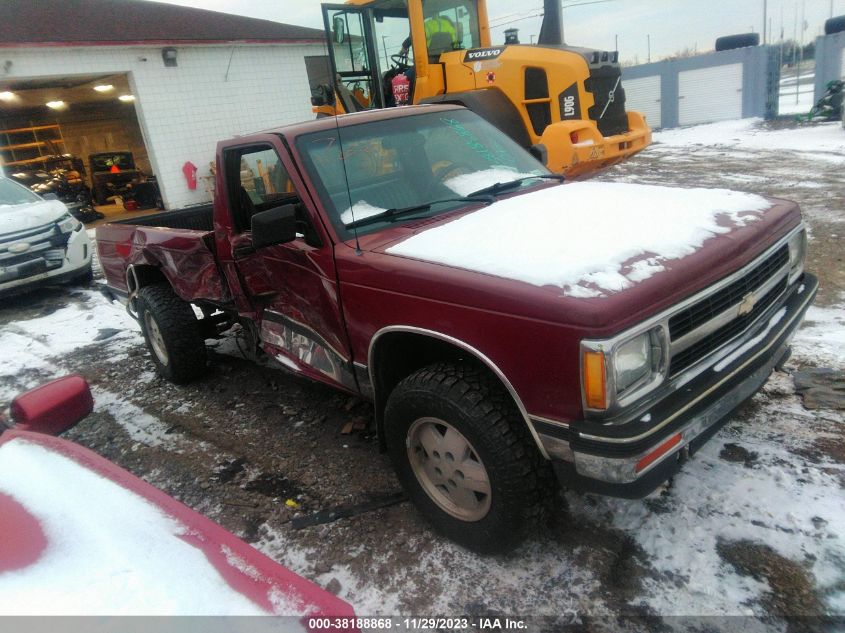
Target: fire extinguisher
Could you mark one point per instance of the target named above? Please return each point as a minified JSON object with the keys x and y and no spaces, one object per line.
{"x":401,"y":89}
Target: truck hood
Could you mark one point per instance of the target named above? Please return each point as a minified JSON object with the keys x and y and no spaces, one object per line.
{"x":20,"y":217}
{"x":590,"y":253}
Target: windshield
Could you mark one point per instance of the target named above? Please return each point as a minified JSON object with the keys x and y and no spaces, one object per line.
{"x":11,"y":193}
{"x":408,"y":161}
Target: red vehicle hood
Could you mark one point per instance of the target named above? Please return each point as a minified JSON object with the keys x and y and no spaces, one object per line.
{"x":627,"y":273}
{"x":84,"y":537}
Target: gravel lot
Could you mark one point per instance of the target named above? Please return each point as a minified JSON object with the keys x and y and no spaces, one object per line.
{"x":753,"y":525}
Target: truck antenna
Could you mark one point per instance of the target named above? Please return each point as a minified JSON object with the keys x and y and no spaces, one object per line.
{"x":346,"y":179}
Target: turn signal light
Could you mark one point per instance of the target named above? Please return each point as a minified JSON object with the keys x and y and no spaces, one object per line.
{"x":595,"y":380}
{"x":658,"y":452}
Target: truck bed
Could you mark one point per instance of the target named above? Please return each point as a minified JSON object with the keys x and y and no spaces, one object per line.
{"x":176,"y":244}
{"x":194,"y":218}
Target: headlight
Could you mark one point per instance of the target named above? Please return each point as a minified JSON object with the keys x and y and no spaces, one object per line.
{"x":632,"y":362}
{"x":617,"y":373}
{"x":68,"y":223}
{"x":797,"y":254}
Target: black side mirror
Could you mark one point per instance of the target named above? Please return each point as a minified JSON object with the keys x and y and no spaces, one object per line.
{"x":339,"y":26}
{"x":540,"y":152}
{"x":274,"y":226}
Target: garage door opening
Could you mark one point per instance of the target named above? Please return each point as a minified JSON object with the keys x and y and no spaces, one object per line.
{"x":78,"y":138}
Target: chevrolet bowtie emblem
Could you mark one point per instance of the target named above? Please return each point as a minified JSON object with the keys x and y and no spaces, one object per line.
{"x":747,"y":304}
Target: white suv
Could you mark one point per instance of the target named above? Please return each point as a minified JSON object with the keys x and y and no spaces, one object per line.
{"x":40,"y":242}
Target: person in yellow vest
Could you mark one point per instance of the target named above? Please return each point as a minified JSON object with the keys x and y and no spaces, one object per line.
{"x":440,"y":35}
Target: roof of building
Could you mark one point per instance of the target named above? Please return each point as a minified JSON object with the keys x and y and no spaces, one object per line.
{"x":127,"y":22}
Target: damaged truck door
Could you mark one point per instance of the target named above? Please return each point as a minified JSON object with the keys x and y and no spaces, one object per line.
{"x":275,"y":250}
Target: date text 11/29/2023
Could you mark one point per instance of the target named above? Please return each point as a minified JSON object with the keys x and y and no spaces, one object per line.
{"x":419,"y":624}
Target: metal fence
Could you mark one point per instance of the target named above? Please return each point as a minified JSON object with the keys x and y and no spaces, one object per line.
{"x":830,"y":61}
{"x":719,"y":86}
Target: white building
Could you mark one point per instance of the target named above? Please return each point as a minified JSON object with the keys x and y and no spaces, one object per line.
{"x":196,"y":77}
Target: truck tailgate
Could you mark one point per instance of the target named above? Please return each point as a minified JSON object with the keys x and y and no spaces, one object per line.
{"x":184,"y":256}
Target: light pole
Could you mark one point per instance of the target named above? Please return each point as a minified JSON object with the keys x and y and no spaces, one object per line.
{"x":648,"y":40}
{"x":384,"y":50}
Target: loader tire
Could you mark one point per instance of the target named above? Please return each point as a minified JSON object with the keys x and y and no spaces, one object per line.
{"x":834,"y":25}
{"x":743,"y":40}
{"x":172,"y":333}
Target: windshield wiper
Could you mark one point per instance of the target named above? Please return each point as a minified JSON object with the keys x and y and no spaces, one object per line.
{"x":510,"y":184}
{"x":394,"y":214}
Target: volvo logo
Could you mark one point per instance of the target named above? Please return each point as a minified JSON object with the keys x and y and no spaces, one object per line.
{"x":747,"y":304}
{"x":18,"y":247}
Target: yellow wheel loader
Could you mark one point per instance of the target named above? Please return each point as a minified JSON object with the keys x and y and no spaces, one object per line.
{"x":565,"y":104}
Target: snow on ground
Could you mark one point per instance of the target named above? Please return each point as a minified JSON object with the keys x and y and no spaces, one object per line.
{"x":118,"y":556}
{"x":822,"y":141}
{"x":548,"y":245}
{"x":39,"y":343}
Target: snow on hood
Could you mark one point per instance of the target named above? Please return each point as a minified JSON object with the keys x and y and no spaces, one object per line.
{"x":588,"y":238}
{"x":465,"y":184}
{"x":109,"y":551}
{"x":20,"y":217}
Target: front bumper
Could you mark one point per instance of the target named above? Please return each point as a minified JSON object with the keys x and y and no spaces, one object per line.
{"x":75,"y":261}
{"x":604,"y":458}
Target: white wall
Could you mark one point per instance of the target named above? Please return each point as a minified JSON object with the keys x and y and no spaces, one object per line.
{"x":215,"y":92}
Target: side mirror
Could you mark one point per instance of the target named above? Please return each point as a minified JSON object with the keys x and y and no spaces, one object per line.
{"x":540,"y":152}
{"x":50,"y":196}
{"x":274,"y":226}
{"x":339,"y":28}
{"x":53,"y":407}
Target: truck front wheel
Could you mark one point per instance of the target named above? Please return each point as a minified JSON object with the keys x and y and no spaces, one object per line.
{"x":464,"y":457}
{"x":172,"y":333}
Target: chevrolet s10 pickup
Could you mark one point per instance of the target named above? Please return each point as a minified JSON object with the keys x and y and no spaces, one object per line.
{"x":509,"y":328}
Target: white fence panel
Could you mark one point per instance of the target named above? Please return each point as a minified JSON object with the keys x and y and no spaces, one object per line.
{"x":643,"y":95}
{"x":710,"y":94}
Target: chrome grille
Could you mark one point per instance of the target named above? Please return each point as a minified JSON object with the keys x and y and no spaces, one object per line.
{"x":708,"y":308}
{"x":46,"y":251}
{"x":715,"y":340}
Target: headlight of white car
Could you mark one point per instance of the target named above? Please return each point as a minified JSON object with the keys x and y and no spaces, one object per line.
{"x":797,"y":254}
{"x":68,"y":223}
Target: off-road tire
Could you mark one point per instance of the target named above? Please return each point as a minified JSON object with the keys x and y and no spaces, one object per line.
{"x":471,"y":401}
{"x":179,"y":333}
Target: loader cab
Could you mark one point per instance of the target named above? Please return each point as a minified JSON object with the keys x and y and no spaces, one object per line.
{"x":365,"y":39}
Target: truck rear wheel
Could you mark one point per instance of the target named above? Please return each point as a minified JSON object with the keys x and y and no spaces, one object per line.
{"x":172,"y":333}
{"x":464,"y":457}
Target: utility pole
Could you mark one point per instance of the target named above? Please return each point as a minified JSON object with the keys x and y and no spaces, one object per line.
{"x":616,"y":42}
{"x":795,"y":53}
{"x":765,"y":20}
{"x":384,"y":50}
{"x":648,"y":40}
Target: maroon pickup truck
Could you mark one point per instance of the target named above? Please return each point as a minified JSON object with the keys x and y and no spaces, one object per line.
{"x":507,"y":327}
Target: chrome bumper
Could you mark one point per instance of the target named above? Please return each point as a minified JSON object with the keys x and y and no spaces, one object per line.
{"x":609,"y":459}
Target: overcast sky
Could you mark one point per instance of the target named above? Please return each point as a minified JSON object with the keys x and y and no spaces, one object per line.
{"x":672,"y":25}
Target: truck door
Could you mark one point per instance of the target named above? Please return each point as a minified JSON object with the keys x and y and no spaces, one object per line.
{"x":292,"y":287}
{"x":353,"y":56}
